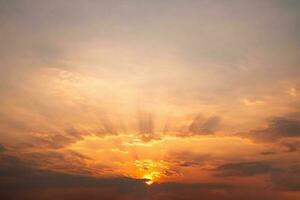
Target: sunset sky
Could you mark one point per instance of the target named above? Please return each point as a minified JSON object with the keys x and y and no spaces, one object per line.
{"x":149,"y":100}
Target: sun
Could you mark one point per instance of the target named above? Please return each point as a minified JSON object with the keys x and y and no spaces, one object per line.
{"x":149,"y":182}
{"x":151,"y":171}
{"x":151,"y":177}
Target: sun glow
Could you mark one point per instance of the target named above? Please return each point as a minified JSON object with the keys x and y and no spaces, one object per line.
{"x":151,"y":177}
{"x":151,"y":171}
{"x":149,"y":180}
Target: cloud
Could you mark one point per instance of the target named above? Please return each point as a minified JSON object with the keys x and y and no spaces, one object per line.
{"x":288,"y":179}
{"x":267,"y":153}
{"x":2,"y":148}
{"x":291,"y":146}
{"x":63,"y":160}
{"x":201,"y":126}
{"x":52,"y":141}
{"x":211,"y":192}
{"x":175,"y":186}
{"x":187,"y":159}
{"x":20,"y":180}
{"x":18,"y":176}
{"x":245,"y":168}
{"x":11,"y":166}
{"x":277,"y":128}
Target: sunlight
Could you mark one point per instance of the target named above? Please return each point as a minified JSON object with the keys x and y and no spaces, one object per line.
{"x":150,"y":170}
{"x":151,"y":177}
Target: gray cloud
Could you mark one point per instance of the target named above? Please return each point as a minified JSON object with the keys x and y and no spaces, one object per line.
{"x":291,"y":146}
{"x":52,"y":141}
{"x":2,"y":148}
{"x":277,"y":128}
{"x":289,"y":179}
{"x":201,"y":126}
{"x":246,"y":168}
{"x":17,"y":176}
{"x":22,"y":177}
{"x":177,"y":191}
{"x":63,"y":160}
{"x":24,"y":181}
{"x":267,"y":153}
{"x":57,"y":160}
{"x":175,"y":186}
{"x":187,"y":159}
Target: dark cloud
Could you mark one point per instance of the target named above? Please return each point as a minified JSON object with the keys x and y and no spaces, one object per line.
{"x":289,"y":179}
{"x":57,"y":160}
{"x":246,"y":169}
{"x":40,"y":134}
{"x":291,"y":146}
{"x":283,"y":127}
{"x":11,"y":166}
{"x":21,"y":180}
{"x":277,"y":128}
{"x":201,"y":126}
{"x":187,"y":158}
{"x":2,"y":148}
{"x":18,"y":176}
{"x":211,"y":192}
{"x":188,"y":163}
{"x":65,"y":160}
{"x":267,"y":153}
{"x":55,"y":141}
{"x":175,"y":186}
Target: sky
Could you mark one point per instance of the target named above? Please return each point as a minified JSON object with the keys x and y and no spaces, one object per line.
{"x":150,"y":100}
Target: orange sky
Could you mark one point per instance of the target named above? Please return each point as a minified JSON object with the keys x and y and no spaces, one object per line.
{"x":150,"y":100}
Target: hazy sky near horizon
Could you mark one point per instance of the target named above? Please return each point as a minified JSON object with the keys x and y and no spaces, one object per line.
{"x":196,"y":98}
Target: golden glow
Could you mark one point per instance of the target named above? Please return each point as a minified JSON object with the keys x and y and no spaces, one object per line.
{"x":150,"y":177}
{"x":151,"y":170}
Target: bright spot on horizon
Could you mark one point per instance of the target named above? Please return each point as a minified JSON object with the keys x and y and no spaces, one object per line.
{"x":151,"y":177}
{"x":149,"y":180}
{"x":151,"y":170}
